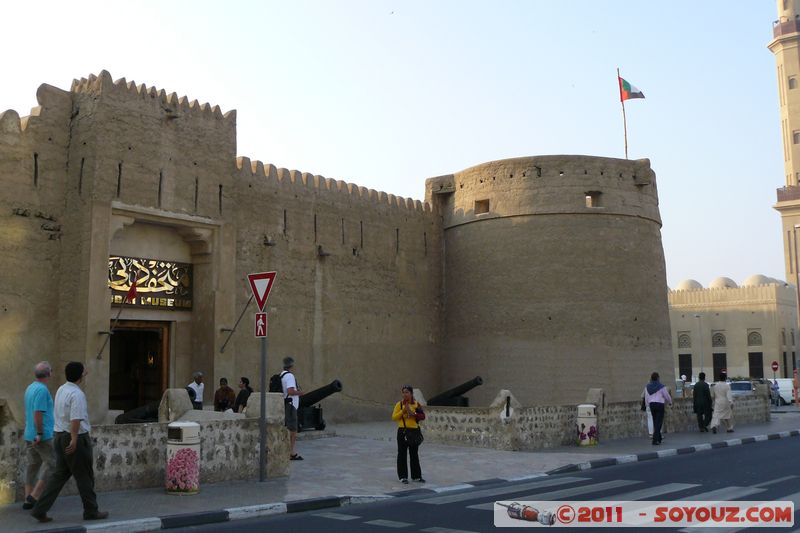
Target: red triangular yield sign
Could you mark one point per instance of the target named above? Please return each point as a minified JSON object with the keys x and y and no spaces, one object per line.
{"x":261,"y":283}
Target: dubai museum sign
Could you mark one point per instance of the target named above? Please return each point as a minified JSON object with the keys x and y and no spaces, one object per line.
{"x":159,"y":284}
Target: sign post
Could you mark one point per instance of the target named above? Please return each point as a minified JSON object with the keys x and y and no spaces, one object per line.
{"x":261,"y":284}
{"x":774,"y":367}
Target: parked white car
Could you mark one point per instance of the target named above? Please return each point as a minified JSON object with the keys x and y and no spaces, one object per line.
{"x":786,"y":390}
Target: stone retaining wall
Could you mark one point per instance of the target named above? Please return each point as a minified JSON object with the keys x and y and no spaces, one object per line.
{"x":133,"y":456}
{"x":531,"y":428}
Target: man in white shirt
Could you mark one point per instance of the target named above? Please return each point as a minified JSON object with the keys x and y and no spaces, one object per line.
{"x":198,"y":386}
{"x":291,"y":400}
{"x":73,"y":448}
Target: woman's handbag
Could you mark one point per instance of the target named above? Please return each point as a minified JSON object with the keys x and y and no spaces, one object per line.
{"x":644,"y":405}
{"x":413,"y":438}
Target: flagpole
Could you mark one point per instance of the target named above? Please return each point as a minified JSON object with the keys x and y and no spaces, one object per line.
{"x":624,"y":119}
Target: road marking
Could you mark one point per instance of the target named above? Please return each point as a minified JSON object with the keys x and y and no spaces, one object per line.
{"x":714,"y":496}
{"x":726,"y":493}
{"x":451,"y":488}
{"x":790,"y":498}
{"x":765,"y":483}
{"x":650,"y":492}
{"x":479,"y":494}
{"x":445,"y":530}
{"x":337,"y":516}
{"x":563,"y":493}
{"x":388,"y":523}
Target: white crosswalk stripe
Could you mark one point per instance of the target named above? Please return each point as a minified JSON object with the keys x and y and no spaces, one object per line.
{"x":506,"y":489}
{"x":388,"y":523}
{"x":445,"y":530}
{"x":563,"y":493}
{"x":774,"y":481}
{"x":725,"y":493}
{"x":337,"y":516}
{"x":649,"y":492}
{"x":718,"y":495}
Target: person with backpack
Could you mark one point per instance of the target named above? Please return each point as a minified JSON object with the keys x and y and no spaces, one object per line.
{"x":291,"y":399}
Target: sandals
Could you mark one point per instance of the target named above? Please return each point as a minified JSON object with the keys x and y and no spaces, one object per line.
{"x":295,"y":457}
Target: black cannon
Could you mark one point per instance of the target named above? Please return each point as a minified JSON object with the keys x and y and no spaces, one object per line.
{"x":454,"y":397}
{"x":309,"y":416}
{"x":139,"y":415}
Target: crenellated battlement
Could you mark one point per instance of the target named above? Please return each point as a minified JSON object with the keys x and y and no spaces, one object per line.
{"x":283,"y":177}
{"x":547,"y":185}
{"x":52,"y":100}
{"x":103,"y":84}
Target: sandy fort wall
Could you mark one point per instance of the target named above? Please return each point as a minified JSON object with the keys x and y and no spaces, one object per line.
{"x":358,"y":288}
{"x":555,"y":277}
{"x":358,"y":292}
{"x":553,"y":266}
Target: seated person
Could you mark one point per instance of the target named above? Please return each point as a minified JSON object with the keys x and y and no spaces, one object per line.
{"x":224,"y":398}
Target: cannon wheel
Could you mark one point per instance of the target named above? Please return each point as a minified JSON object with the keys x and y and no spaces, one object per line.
{"x":320,"y":426}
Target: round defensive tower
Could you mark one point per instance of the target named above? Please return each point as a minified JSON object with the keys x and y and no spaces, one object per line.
{"x":554,"y":278}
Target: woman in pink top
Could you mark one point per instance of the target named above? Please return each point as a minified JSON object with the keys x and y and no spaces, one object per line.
{"x":656,"y":395}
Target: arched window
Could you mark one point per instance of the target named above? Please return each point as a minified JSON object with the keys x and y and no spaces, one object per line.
{"x":754,"y":338}
{"x":792,"y":82}
{"x":684,"y":340}
{"x":783,"y":337}
{"x":718,"y":339}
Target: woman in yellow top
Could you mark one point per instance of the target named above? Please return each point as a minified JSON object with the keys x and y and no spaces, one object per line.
{"x":407,"y":413}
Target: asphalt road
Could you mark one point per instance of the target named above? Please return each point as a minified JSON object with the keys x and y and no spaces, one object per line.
{"x":762,"y":471}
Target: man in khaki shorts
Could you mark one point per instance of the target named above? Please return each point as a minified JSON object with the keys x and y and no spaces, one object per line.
{"x":291,"y":400}
{"x":38,"y":434}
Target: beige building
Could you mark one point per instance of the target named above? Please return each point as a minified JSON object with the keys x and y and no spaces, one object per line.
{"x":543,"y":275}
{"x":739,"y":328}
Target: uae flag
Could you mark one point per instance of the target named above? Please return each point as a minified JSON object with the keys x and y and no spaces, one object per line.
{"x":628,"y":91}
{"x":132,"y":291}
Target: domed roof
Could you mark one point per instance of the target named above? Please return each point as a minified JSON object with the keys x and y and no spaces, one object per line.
{"x":723,"y":283}
{"x":688,"y":285}
{"x":758,"y":279}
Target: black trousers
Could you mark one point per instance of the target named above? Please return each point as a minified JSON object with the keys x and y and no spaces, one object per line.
{"x":657,"y":410}
{"x":704,"y":418}
{"x":79,"y":464}
{"x":413,"y":451}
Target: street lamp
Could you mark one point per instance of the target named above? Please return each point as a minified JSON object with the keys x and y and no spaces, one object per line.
{"x":700,"y":337}
{"x":797,"y":290}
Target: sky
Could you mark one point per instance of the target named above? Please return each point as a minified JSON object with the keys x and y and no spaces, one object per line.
{"x":386,"y":93}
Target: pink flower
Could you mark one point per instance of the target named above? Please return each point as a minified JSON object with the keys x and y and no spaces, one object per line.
{"x":183,"y":471}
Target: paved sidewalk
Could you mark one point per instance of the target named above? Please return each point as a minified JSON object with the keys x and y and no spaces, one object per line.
{"x":360,"y":460}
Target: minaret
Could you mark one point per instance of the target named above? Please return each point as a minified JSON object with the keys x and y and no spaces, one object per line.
{"x":786,"y":47}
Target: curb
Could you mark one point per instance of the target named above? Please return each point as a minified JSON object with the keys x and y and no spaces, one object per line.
{"x":613,"y":461}
{"x":224,"y":515}
{"x":297,"y":506}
